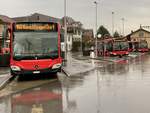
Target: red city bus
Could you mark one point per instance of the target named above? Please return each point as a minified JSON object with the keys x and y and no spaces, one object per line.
{"x":138,"y":46}
{"x":105,"y":47}
{"x":35,"y":48}
{"x":120,"y":48}
{"x":4,"y":45}
{"x":143,"y":46}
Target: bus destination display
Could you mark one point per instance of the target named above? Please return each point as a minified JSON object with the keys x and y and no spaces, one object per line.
{"x":50,"y":27}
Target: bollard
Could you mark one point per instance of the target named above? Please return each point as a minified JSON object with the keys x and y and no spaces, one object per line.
{"x":92,"y":55}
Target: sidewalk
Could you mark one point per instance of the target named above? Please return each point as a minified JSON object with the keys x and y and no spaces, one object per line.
{"x":74,"y":66}
{"x":110,"y":59}
{"x":77,"y":64}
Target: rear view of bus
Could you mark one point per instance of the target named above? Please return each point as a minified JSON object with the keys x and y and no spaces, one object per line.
{"x":35,"y":48}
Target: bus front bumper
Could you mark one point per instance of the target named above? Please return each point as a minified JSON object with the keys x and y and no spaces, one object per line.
{"x":32,"y":72}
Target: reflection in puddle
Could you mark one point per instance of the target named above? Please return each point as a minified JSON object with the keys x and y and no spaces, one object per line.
{"x":5,"y":105}
{"x":40,"y":100}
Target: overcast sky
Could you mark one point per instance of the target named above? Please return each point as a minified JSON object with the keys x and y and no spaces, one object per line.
{"x":135,"y":12}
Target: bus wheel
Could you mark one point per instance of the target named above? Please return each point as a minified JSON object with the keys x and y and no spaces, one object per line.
{"x":111,"y":55}
{"x":12,"y":73}
{"x":21,"y":78}
{"x":52,"y":75}
{"x":120,"y":56}
{"x":59,"y":70}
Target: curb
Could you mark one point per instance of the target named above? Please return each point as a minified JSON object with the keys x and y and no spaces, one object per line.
{"x":67,"y":74}
{"x":109,"y":60}
{"x":88,"y":58}
{"x":93,"y":59}
{"x":3,"y":84}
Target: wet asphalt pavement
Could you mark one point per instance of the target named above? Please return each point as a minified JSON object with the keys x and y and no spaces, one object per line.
{"x":122,"y":87}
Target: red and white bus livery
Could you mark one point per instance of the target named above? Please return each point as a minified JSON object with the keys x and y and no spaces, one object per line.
{"x":35,"y":48}
{"x":143,"y":46}
{"x":120,"y":48}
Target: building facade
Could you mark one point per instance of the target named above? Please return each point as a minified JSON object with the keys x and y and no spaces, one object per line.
{"x":77,"y":31}
{"x":69,"y":41}
{"x":139,"y":35}
{"x":74,"y":32}
{"x":37,"y":17}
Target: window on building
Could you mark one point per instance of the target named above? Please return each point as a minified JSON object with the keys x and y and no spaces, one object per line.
{"x":74,"y":31}
{"x":141,"y":34}
{"x":69,"y":47}
{"x":79,"y":32}
{"x":68,"y":38}
{"x":38,"y":18}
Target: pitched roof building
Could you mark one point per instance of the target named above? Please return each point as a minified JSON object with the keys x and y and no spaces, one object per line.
{"x":5,"y":19}
{"x":139,"y":35}
{"x":37,"y":17}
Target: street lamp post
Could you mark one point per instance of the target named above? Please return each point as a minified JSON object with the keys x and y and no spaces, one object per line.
{"x":81,"y":46}
{"x":65,"y":33}
{"x":122,"y":26}
{"x":96,"y":28}
{"x":112,"y":23}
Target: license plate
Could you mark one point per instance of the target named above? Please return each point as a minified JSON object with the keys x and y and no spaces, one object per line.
{"x":36,"y":72}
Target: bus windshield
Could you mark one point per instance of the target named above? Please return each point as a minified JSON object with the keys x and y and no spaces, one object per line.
{"x":143,"y":45}
{"x":120,"y":46}
{"x":116,"y":46}
{"x":124,"y":45}
{"x":35,"y":45}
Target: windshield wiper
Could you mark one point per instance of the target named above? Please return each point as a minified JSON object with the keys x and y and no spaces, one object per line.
{"x":18,"y":58}
{"x":53,"y":56}
{"x":36,"y":56}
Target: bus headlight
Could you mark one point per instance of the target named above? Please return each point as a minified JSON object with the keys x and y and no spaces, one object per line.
{"x":56,"y":66}
{"x":15,"y":68}
{"x":114,"y":54}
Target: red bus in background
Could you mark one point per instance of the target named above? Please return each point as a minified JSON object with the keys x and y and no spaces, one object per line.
{"x":120,"y":48}
{"x":136,"y":46}
{"x":105,"y":47}
{"x":142,"y":46}
{"x":35,"y":48}
{"x":4,"y":45}
{"x":111,"y":47}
